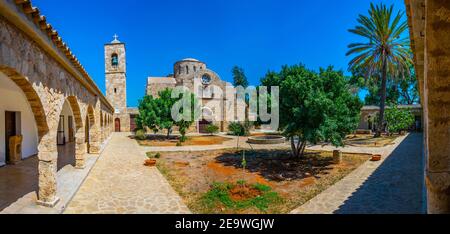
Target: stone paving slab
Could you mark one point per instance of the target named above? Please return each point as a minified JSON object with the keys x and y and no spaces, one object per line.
{"x":394,"y":185}
{"x":120,"y":184}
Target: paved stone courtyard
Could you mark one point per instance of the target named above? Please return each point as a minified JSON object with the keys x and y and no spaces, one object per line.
{"x":394,"y":185}
{"x":119,"y":183}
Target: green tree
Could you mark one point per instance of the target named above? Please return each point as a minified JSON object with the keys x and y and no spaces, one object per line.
{"x":314,"y":106}
{"x":164,"y":111}
{"x":385,"y":53}
{"x":155,"y":113}
{"x":239,"y":78}
{"x":183,"y":124}
{"x":403,"y":91}
{"x":398,"y":119}
{"x":148,"y":114}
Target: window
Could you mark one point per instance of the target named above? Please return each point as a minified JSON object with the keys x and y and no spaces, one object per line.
{"x":187,"y":69}
{"x":115,"y":60}
{"x":115,"y":90}
{"x":195,"y":69}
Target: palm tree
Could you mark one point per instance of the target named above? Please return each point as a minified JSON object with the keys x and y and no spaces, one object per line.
{"x":386,"y":53}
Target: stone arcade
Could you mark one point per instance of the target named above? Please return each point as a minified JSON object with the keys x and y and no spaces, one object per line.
{"x":46,"y":96}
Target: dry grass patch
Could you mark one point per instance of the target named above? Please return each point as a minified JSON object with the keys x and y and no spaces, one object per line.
{"x":161,"y":141}
{"x":362,"y":140}
{"x":196,"y":176}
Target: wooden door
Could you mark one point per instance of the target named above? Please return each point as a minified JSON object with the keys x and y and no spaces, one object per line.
{"x":202,"y":126}
{"x":10,"y":130}
{"x":117,"y":125}
{"x":133,"y":123}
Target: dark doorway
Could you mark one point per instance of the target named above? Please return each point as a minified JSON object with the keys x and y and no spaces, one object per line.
{"x":133,"y":125}
{"x":86,"y":134}
{"x":71,"y":131}
{"x":202,"y":125}
{"x":10,"y":130}
{"x":61,"y":138}
{"x":117,"y":124}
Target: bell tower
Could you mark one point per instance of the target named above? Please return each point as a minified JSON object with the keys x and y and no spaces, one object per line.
{"x":116,"y":82}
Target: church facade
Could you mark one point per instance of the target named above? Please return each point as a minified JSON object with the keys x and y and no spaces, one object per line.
{"x":209,"y":88}
{"x":190,"y":73}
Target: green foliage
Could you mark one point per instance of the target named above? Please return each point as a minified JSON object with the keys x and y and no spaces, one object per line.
{"x":151,"y":155}
{"x":191,"y":115}
{"x":244,"y":160}
{"x":140,"y":135}
{"x":156,"y":113}
{"x":240,"y":129}
{"x":385,"y":53}
{"x":315,"y":106}
{"x":212,"y":129}
{"x":239,"y":78}
{"x":404,"y":91}
{"x":220,"y":194}
{"x":398,"y":119}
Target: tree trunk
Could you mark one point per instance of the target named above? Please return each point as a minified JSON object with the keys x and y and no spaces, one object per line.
{"x":168,"y":133}
{"x":382,"y":99}
{"x":298,"y":149}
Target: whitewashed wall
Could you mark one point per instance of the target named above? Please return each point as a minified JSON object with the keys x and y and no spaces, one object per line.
{"x":13,"y":99}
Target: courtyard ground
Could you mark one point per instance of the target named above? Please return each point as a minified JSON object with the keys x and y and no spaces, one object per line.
{"x":295,"y":181}
{"x":394,"y":185}
{"x":120,"y":184}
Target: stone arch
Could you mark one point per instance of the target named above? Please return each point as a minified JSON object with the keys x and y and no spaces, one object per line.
{"x":80,"y":147}
{"x":33,"y":99}
{"x":89,"y":127}
{"x":76,"y":111}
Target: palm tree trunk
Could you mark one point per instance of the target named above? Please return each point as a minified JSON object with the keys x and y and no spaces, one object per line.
{"x":382,"y":99}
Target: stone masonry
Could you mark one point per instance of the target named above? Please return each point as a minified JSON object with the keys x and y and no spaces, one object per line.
{"x":34,"y":57}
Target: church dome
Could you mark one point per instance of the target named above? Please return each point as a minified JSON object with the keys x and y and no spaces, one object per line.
{"x":190,"y":60}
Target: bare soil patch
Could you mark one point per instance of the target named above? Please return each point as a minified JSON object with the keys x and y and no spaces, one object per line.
{"x":295,"y":180}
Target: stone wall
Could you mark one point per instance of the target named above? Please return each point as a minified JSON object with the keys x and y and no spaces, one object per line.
{"x":34,"y":64}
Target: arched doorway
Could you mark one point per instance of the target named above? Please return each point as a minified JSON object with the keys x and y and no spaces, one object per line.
{"x":90,"y":122}
{"x":207,"y":119}
{"x":22,"y":112}
{"x":65,"y":137}
{"x":117,"y":125}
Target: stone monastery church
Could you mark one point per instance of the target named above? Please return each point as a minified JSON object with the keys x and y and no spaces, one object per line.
{"x":188,"y":73}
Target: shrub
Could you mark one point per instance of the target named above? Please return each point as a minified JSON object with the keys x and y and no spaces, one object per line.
{"x":212,"y":129}
{"x":183,"y":138}
{"x":398,"y":119}
{"x":240,"y":129}
{"x":140,"y":135}
{"x":150,"y":155}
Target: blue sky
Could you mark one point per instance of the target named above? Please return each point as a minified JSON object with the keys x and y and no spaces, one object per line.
{"x":257,"y":35}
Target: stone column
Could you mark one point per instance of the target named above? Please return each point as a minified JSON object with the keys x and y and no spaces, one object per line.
{"x":94,"y":146}
{"x":80,"y":149}
{"x":437,"y":105}
{"x":47,"y":155}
